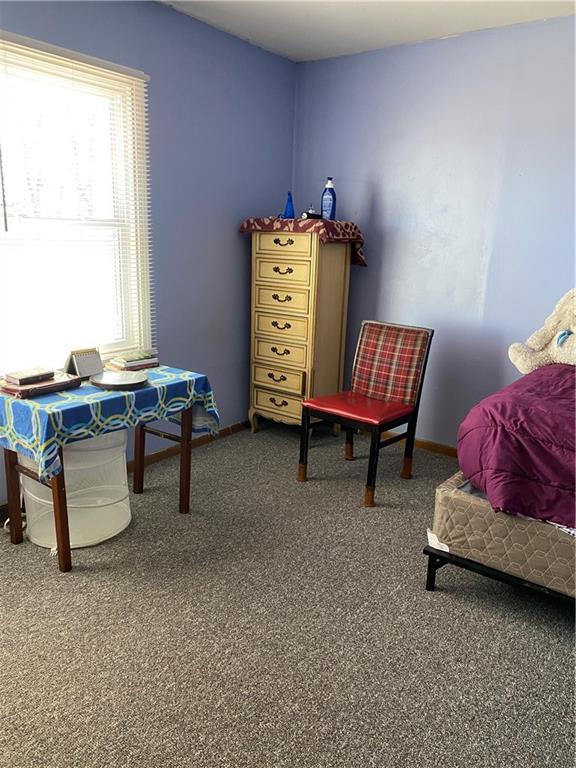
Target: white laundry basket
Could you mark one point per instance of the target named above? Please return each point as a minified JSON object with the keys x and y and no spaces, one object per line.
{"x":96,"y":491}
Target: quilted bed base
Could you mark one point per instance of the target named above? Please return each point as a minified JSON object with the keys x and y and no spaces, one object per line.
{"x":535,"y":551}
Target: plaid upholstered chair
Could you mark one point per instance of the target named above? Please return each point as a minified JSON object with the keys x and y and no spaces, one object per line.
{"x":387,"y":378}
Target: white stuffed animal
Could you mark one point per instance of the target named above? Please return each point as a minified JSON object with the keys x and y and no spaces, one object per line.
{"x":555,"y":342}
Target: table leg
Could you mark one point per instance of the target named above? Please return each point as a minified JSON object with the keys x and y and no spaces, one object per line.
{"x":61,"y":519}
{"x":139,"y":453}
{"x":185,"y":459}
{"x":13,"y":494}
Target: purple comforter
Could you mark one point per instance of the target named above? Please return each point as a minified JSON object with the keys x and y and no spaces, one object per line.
{"x":518,"y":446}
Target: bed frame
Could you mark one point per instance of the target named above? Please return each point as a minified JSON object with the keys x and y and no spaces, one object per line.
{"x":467,"y":532}
{"x":438,"y":559}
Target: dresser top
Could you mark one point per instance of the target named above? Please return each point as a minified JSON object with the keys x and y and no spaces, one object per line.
{"x":327,"y":231}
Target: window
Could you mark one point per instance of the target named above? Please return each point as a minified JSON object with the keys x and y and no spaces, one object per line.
{"x":74,"y":242}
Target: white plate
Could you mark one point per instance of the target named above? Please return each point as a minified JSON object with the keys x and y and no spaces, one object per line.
{"x":119,"y":380}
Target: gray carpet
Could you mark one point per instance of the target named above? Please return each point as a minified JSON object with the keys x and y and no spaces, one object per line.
{"x":278,"y":625}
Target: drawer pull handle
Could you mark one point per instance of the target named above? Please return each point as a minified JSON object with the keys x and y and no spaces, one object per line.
{"x":281,"y":377}
{"x":280,"y":354}
{"x":277,"y":241}
{"x":285,"y":327}
{"x":280,"y":404}
{"x":287,"y":271}
{"x":277,"y":298}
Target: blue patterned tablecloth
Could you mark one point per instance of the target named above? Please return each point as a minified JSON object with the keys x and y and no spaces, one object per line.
{"x":38,"y":427}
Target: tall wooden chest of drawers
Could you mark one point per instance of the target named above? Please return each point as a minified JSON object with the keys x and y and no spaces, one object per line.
{"x":299,"y":308}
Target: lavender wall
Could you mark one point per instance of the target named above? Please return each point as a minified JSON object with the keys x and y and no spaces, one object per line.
{"x":454,"y":156}
{"x":217,"y":155}
{"x":456,"y":159}
{"x":214,"y":159}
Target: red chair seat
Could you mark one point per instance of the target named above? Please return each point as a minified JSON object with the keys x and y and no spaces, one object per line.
{"x":350,"y":405}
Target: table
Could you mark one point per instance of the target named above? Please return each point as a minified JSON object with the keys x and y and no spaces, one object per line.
{"x":40,"y":427}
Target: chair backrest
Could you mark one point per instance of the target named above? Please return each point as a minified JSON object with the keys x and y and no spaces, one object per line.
{"x":390,"y":361}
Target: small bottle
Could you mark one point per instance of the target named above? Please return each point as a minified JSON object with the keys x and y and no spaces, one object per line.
{"x":310,"y":213}
{"x":328,"y":203}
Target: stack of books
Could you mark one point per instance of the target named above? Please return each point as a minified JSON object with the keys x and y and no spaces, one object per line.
{"x":135,"y":361}
{"x":36,"y":381}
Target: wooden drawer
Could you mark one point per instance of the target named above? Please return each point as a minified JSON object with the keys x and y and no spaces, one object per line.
{"x":278,"y":404}
{"x":283,"y":271}
{"x":287,"y":327}
{"x":278,"y":378}
{"x":283,"y":297}
{"x":279,"y":353}
{"x":283,"y":242}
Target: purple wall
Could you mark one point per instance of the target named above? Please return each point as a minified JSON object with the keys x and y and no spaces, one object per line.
{"x":456,"y":158}
{"x":217,"y":155}
{"x":215,"y":158}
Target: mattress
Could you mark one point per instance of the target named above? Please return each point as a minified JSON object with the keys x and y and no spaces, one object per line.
{"x":466,"y":525}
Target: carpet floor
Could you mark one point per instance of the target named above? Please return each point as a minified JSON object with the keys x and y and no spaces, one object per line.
{"x":280,"y":624}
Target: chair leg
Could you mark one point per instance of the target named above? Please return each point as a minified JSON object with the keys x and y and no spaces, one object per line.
{"x":372,"y":468}
{"x":349,"y":447}
{"x":304,"y":440}
{"x":406,"y":473}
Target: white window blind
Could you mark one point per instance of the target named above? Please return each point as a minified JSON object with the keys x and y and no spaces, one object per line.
{"x":75,"y":267}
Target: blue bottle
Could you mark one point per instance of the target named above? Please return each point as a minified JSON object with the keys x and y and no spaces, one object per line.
{"x":328,"y":203}
{"x":289,"y":209}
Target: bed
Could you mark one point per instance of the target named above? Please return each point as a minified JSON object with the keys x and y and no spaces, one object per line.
{"x":510,"y":512}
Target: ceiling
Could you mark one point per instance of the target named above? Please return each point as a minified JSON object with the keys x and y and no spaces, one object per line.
{"x":308,"y":30}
